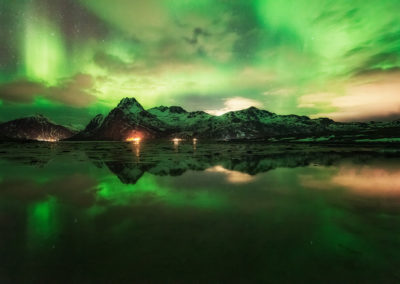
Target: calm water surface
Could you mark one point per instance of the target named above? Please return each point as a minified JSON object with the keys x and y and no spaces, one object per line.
{"x":205,"y":213}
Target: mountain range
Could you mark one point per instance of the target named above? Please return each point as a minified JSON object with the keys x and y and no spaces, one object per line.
{"x":129,"y":119}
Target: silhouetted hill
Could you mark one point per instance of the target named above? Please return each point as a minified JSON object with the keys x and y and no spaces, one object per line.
{"x":33,"y":128}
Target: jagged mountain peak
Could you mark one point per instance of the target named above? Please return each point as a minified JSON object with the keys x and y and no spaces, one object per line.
{"x":131,"y":105}
{"x":95,"y":122}
{"x":177,"y":109}
{"x":253,"y":109}
{"x":171,"y":109}
{"x":198,"y":113}
{"x":251,"y":112}
{"x":127,"y":119}
{"x":160,"y":108}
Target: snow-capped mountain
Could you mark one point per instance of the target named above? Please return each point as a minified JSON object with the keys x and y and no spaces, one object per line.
{"x":33,"y":128}
{"x":182,"y":123}
{"x":246,"y":123}
{"x":176,"y":116}
{"x":130,"y":118}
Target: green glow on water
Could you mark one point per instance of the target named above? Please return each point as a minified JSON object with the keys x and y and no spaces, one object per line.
{"x":148,"y":185}
{"x":43,"y":223}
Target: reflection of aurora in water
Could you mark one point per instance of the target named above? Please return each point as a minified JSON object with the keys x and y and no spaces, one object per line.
{"x":219,"y":212}
{"x":42,"y":222}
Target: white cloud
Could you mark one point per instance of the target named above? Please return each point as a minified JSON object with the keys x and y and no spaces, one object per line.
{"x":233,"y":104}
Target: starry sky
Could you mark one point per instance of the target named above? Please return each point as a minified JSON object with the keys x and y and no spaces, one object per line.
{"x":72,"y":59}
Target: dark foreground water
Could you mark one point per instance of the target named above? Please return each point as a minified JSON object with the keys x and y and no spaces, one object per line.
{"x":205,"y":213}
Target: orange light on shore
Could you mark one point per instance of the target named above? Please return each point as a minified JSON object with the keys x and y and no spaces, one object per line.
{"x":46,"y":139}
{"x":134,"y":136}
{"x":133,"y":139}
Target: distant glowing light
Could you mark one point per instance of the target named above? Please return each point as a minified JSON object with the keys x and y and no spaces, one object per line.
{"x":46,"y":139}
{"x":134,"y":139}
{"x":194,"y":143}
{"x":176,"y":143}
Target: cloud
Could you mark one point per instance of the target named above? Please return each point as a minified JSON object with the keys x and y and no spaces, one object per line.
{"x":179,"y":31}
{"x":235,"y":103}
{"x":372,"y":95}
{"x":22,"y":91}
{"x":275,"y":52}
{"x":196,"y":101}
{"x":73,"y":91}
{"x":197,"y":32}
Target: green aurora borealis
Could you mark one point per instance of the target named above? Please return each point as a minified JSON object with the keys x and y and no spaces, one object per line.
{"x":71,"y":59}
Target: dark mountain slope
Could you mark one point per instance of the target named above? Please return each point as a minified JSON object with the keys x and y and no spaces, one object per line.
{"x":33,"y":128}
{"x":128,"y":119}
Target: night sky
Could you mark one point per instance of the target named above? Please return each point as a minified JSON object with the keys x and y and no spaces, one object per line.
{"x":72,"y":59}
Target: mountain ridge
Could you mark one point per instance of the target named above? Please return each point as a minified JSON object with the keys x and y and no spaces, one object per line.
{"x":249,"y":123}
{"x":129,"y":119}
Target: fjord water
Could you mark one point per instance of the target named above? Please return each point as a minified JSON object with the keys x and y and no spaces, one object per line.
{"x":108,"y":212}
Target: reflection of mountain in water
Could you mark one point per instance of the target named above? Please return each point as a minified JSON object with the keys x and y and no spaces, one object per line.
{"x":249,"y":159}
{"x":129,"y":161}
